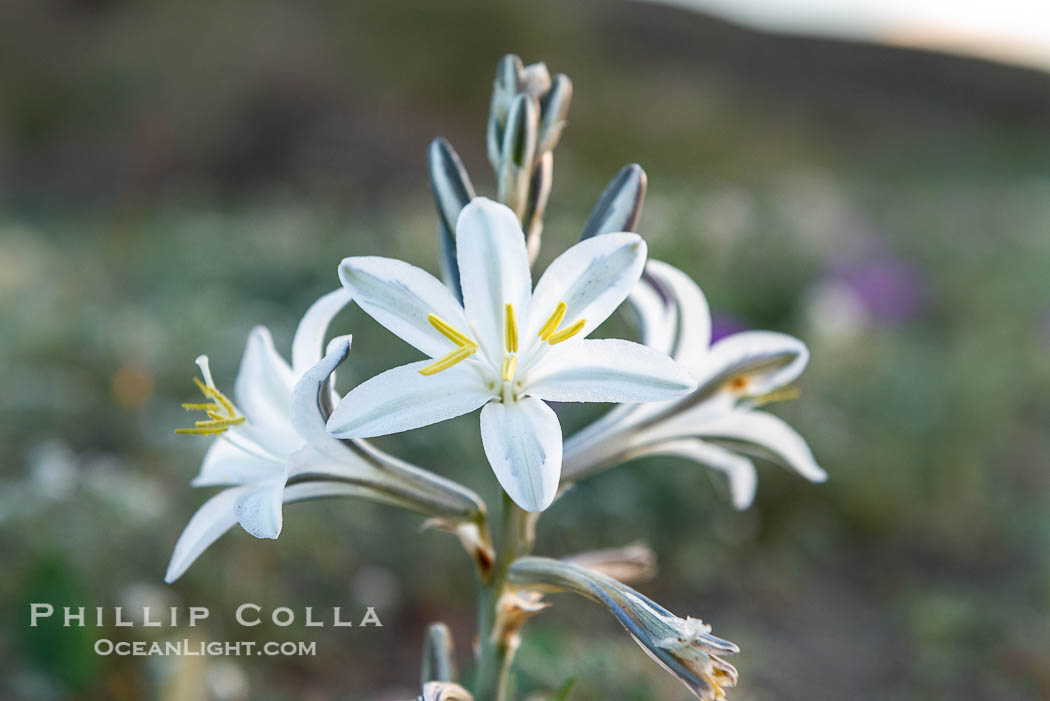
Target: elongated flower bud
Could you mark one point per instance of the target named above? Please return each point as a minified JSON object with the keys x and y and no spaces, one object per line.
{"x":620,"y":205}
{"x":554,"y":108}
{"x":452,"y":191}
{"x":517,"y":153}
{"x":438,"y":664}
{"x":539,"y":193}
{"x":682,"y":646}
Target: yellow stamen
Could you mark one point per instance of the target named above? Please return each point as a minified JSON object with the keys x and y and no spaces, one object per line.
{"x":219,"y":422}
{"x":567,"y":333}
{"x":221,"y":411}
{"x":210,"y":406}
{"x":510,"y":364}
{"x":451,"y":332}
{"x":553,"y":321}
{"x":510,"y":329}
{"x":782,"y":395}
{"x":228,"y":420}
{"x":456,"y":356}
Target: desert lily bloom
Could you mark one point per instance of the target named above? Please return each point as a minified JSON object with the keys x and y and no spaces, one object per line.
{"x":508,"y":349}
{"x":716,"y":422}
{"x":684,"y":647}
{"x":272,"y":447}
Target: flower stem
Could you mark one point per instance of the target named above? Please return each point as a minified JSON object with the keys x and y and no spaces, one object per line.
{"x":496,"y":650}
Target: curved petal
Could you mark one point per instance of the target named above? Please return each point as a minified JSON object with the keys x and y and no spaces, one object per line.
{"x":211,"y":520}
{"x":740,"y":471}
{"x":694,"y":316}
{"x":218,"y":515}
{"x":608,"y":370}
{"x":763,"y":360}
{"x":657,"y":321}
{"x":767,"y":436}
{"x":493,"y":269}
{"x":592,"y":278}
{"x":309,"y":335}
{"x":308,"y":416}
{"x":225,"y":463}
{"x":263,"y":391}
{"x":259,"y":509}
{"x":401,"y":297}
{"x":401,"y":399}
{"x":522,"y":441}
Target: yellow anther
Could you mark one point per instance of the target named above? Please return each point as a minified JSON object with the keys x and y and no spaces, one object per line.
{"x":456,"y":356}
{"x":782,"y":395}
{"x":553,"y":321}
{"x":221,"y":411}
{"x":568,"y":332}
{"x":451,"y":332}
{"x":208,"y":406}
{"x":510,"y":329}
{"x":219,"y":422}
{"x":510,"y":364}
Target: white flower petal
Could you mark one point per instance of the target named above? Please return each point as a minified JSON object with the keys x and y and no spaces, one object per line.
{"x":211,"y":520}
{"x":657,"y":318}
{"x":263,"y":392}
{"x":226,"y":463}
{"x":218,"y":515}
{"x":308,"y":341}
{"x":693,"y":315}
{"x":493,"y":269}
{"x":592,"y":278}
{"x":740,"y":471}
{"x":259,"y":509}
{"x":608,"y":370}
{"x":766,"y":359}
{"x":307,"y":414}
{"x":400,"y":297}
{"x":523,"y":444}
{"x":767,"y":436}
{"x":401,"y":399}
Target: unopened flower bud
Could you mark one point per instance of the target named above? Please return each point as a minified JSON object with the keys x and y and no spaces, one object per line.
{"x":554,"y":108}
{"x":517,"y":152}
{"x":452,"y":191}
{"x":620,"y":204}
{"x":438,"y":663}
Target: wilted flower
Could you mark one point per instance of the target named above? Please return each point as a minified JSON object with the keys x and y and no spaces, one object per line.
{"x":718,"y":420}
{"x":508,"y":348}
{"x":272,"y":448}
{"x":682,"y":646}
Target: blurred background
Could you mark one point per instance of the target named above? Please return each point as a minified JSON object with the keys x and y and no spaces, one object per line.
{"x":173,"y":173}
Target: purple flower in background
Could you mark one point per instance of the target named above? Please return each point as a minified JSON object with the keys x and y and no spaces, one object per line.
{"x":723,"y":325}
{"x":891,"y":289}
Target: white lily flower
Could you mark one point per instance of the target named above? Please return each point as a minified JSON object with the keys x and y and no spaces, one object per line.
{"x":272,"y":447}
{"x":508,"y":349}
{"x":719,"y":420}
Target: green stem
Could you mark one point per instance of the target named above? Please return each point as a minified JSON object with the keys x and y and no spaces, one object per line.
{"x":495,"y":653}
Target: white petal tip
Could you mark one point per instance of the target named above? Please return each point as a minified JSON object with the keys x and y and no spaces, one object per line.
{"x":261,"y":533}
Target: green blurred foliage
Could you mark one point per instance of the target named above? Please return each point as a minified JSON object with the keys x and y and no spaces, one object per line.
{"x":175,"y":173}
